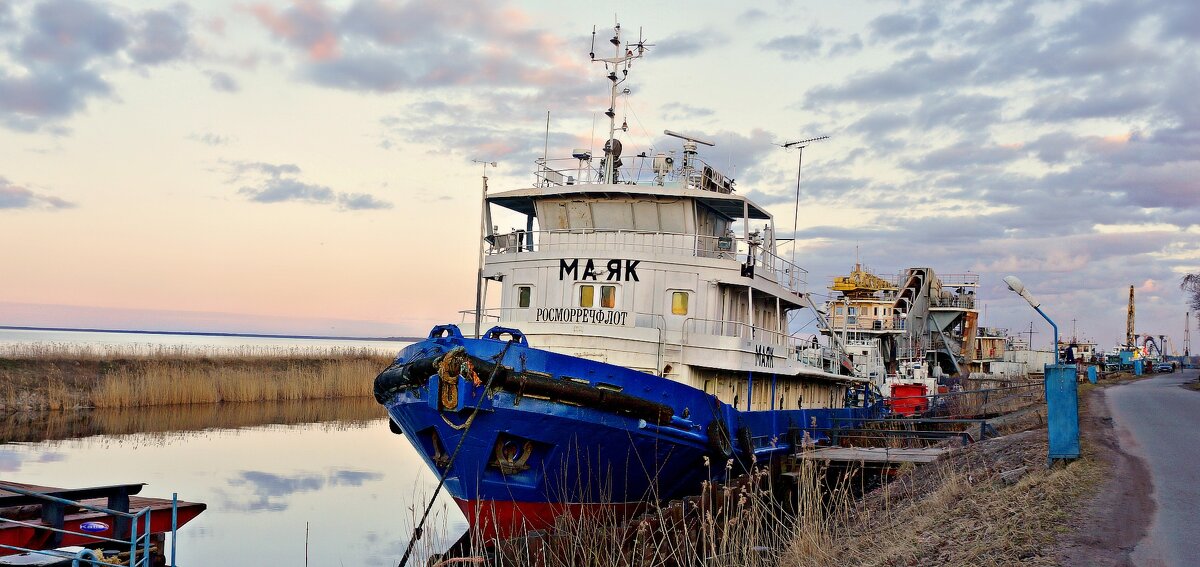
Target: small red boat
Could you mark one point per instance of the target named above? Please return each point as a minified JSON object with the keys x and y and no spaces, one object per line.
{"x":25,"y":518}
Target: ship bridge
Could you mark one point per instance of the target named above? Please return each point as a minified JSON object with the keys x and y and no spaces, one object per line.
{"x":669,"y":268}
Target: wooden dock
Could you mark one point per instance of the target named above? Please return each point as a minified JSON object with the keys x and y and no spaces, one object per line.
{"x":873,"y":455}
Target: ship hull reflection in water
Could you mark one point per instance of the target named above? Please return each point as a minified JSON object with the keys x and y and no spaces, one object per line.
{"x":268,"y":471}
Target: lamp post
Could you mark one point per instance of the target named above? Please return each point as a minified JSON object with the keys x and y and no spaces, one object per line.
{"x":1062,"y":395}
{"x":1014,"y":284}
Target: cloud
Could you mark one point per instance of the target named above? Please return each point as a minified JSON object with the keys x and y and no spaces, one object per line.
{"x":361,"y":201}
{"x":902,"y":24}
{"x":270,"y":492}
{"x":63,"y":50}
{"x":1099,"y":103}
{"x":278,"y":190}
{"x":794,"y":47}
{"x":208,"y":138}
{"x":683,"y":111}
{"x":223,"y":82}
{"x":914,"y":75}
{"x":849,"y":46}
{"x":682,"y":44}
{"x":352,"y":478}
{"x":10,"y":461}
{"x":751,"y":16}
{"x":161,"y":36}
{"x":383,"y":46}
{"x":278,"y":183}
{"x":17,"y":197}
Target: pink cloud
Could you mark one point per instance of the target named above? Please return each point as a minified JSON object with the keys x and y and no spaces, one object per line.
{"x":308,"y":25}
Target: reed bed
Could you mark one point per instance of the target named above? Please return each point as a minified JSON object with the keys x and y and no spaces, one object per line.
{"x":54,"y":377}
{"x":755,"y":520}
{"x":170,"y":420}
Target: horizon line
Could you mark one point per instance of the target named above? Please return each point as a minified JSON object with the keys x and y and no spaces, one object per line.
{"x":210,"y":334}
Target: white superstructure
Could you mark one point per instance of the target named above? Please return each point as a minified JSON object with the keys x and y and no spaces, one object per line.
{"x":656,"y":264}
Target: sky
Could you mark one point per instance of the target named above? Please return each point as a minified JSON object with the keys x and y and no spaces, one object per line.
{"x":306,"y":167}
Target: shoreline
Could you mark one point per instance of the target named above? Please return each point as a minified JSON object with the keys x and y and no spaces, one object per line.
{"x":61,"y":380}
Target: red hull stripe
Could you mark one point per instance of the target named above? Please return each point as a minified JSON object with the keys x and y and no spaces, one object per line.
{"x":492,"y":519}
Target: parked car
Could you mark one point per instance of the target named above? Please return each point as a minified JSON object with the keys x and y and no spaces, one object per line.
{"x":1164,"y":367}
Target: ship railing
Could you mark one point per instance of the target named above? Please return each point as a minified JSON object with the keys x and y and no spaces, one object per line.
{"x":639,"y":171}
{"x":135,"y":524}
{"x":782,"y":271}
{"x":862,"y":323}
{"x":959,"y":280}
{"x":805,"y":350}
{"x":774,"y":268}
{"x":957,"y":301}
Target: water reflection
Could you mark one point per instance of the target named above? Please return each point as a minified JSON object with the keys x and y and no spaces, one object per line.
{"x":41,"y":426}
{"x":267,"y":472}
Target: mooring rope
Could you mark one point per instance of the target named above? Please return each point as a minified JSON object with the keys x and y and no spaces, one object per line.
{"x":419,"y":530}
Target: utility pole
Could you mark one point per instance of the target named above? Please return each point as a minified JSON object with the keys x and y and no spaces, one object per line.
{"x":1187,"y":334}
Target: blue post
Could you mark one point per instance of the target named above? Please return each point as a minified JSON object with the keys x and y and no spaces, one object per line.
{"x":174,"y":523}
{"x":1092,"y":374}
{"x":1043,"y":314}
{"x":1062,"y":412}
{"x":749,"y":391}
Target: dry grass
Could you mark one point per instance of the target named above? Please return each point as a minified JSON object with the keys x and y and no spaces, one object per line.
{"x":961,"y":511}
{"x":42,"y":426}
{"x":38,"y":377}
{"x":750,"y":521}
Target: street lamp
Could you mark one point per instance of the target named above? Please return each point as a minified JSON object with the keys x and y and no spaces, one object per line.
{"x":1062,"y":395}
{"x":1014,"y":284}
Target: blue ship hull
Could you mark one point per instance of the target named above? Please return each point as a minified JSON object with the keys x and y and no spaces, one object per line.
{"x":523,"y":435}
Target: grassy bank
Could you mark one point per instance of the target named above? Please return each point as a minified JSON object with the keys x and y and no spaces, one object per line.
{"x":58,"y":377}
{"x":989,"y":503}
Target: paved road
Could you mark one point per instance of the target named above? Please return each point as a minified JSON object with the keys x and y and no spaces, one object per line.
{"x":1159,"y":421}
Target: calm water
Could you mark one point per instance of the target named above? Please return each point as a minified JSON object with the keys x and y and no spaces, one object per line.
{"x":266,"y":472}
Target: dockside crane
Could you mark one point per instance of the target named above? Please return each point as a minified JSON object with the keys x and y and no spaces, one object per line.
{"x":1130,"y":337}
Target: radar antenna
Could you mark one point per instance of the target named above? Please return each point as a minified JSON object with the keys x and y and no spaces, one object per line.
{"x":622,"y":60}
{"x":689,"y":149}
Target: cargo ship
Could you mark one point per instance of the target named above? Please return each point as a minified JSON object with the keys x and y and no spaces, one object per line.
{"x":641,"y":345}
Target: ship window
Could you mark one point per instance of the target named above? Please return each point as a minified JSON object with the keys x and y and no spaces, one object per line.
{"x":586,"y":295}
{"x":679,"y":303}
{"x":608,"y":296}
{"x":524,"y":293}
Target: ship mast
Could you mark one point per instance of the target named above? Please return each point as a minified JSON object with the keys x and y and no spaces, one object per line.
{"x":621,"y":60}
